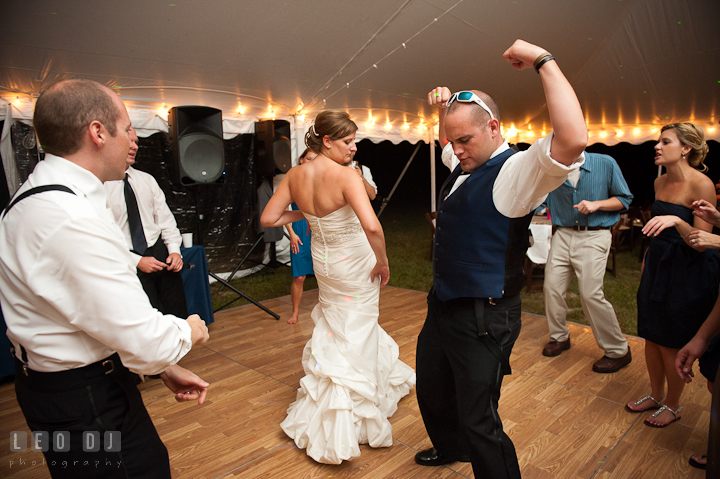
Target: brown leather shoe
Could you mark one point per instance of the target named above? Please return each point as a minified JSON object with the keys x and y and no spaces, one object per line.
{"x":611,"y":365}
{"x":554,"y":348}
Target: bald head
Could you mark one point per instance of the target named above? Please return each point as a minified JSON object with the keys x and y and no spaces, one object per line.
{"x":65,"y":110}
{"x":479,"y":115}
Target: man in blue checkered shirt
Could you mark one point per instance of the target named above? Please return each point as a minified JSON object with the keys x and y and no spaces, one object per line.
{"x":584,"y":209}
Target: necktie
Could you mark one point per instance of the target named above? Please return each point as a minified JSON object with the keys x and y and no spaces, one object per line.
{"x":137,"y":235}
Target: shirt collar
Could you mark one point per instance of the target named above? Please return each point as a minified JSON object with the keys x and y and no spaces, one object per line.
{"x":502,"y":148}
{"x":79,"y":179}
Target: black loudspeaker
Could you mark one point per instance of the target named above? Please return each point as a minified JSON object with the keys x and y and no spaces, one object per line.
{"x":196,"y":139}
{"x":274,"y":151}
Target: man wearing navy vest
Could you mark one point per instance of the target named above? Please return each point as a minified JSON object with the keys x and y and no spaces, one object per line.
{"x":584,"y":209}
{"x":484,"y":211}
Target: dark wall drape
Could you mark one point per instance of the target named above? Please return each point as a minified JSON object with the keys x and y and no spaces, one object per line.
{"x":222,"y":217}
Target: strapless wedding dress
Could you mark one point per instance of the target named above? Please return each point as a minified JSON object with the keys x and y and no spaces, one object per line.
{"x":353,"y":377}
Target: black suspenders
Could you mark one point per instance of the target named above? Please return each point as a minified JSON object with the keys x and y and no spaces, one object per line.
{"x":30,"y":192}
{"x":37,"y":189}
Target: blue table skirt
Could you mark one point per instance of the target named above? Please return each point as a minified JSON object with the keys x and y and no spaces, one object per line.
{"x":195,"y":282}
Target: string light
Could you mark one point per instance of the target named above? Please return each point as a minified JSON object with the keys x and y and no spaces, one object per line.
{"x":406,"y":126}
{"x":162,"y":112}
{"x":619,"y":133}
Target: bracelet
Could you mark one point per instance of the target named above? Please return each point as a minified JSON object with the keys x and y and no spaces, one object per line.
{"x":543,"y":61}
{"x":540,"y":57}
{"x":683,"y":237}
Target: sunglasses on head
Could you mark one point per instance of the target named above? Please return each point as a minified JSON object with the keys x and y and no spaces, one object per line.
{"x":469,"y":97}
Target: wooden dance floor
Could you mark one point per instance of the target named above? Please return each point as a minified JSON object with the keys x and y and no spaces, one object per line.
{"x":565,"y":420}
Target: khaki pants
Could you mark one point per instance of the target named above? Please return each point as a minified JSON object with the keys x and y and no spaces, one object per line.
{"x":584,"y":254}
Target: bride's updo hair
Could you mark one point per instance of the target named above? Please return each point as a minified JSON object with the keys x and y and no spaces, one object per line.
{"x":693,"y":136}
{"x":333,"y":123}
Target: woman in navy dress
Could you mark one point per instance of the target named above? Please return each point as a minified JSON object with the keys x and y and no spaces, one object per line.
{"x":300,"y":253}
{"x":679,"y":283}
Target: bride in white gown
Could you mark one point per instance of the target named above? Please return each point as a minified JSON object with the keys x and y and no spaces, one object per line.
{"x":353,"y":377}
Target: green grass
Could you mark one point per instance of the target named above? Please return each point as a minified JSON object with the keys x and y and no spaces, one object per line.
{"x":620,"y":291}
{"x":407,"y":237}
{"x":268,"y":283}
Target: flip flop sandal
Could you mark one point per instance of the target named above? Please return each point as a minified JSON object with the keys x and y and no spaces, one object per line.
{"x":660,"y":411}
{"x":639,"y":402}
{"x":696,"y":464}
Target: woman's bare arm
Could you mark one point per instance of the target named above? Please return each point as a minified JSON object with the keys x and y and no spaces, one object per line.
{"x":356,"y":196}
{"x":276,"y":212}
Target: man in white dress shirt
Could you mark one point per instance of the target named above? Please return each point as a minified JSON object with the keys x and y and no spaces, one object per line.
{"x":156,"y":245}
{"x":77,"y":316}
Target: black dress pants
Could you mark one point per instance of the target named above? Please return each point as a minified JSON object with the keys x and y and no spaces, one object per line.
{"x":164,"y":288}
{"x":85,"y":400}
{"x":459,"y":379}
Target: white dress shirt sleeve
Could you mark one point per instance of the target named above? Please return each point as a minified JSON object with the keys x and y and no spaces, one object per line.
{"x":79,"y":273}
{"x":527,"y":177}
{"x":157,"y":219}
{"x":368,"y":177}
{"x":448,"y":157}
{"x":165,"y":220}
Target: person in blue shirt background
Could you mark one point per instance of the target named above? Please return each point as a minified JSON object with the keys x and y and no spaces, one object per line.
{"x":584,"y":209}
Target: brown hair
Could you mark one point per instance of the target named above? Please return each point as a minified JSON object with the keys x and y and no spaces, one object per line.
{"x":693,"y":136}
{"x":332,"y":123}
{"x":479,"y":115}
{"x":66,"y":109}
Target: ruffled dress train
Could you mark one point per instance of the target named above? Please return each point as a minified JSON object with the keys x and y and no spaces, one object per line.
{"x":353,"y":377}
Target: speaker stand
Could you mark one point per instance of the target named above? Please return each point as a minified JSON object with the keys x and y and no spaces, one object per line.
{"x":226,"y":283}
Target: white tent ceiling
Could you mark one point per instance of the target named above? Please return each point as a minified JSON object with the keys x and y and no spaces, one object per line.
{"x":635,"y":64}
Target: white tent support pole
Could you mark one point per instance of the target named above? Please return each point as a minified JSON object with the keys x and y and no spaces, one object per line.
{"x":433,"y":197}
{"x":407,"y":165}
{"x":299,"y":143}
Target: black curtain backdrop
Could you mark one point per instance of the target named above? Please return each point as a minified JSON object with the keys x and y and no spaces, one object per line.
{"x":229,"y":210}
{"x":228,"y":227}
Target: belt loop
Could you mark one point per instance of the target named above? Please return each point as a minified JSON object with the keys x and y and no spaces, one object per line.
{"x":112,"y":366}
{"x":23,"y":358}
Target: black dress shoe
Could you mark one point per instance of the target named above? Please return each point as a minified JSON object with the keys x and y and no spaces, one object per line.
{"x":433,"y":457}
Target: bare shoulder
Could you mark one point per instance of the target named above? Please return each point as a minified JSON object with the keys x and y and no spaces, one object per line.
{"x":701,"y":185}
{"x":660,"y":181}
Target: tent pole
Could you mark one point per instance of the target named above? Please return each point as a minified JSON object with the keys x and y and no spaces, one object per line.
{"x":298,"y":146}
{"x":407,"y":165}
{"x":432,"y":170}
